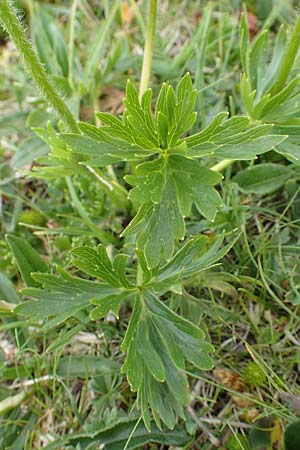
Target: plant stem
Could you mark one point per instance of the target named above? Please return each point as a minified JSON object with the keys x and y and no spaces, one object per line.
{"x":149,"y":44}
{"x":222,"y":165}
{"x":14,"y":28}
{"x":288,"y":59}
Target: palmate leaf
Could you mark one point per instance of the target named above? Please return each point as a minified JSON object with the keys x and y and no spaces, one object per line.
{"x":60,"y":162}
{"x":166,"y":188}
{"x":158,"y":344}
{"x":233,"y":139}
{"x":174,"y":116}
{"x":96,"y":263}
{"x":158,"y":225}
{"x":195,"y":256}
{"x":64,"y":296}
{"x":189,"y":182}
{"x":61,"y":297}
{"x":138,"y":134}
{"x":169,"y":178}
{"x":105,"y":153}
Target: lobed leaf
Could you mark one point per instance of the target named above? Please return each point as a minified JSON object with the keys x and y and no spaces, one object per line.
{"x":167,"y":189}
{"x":158,"y":344}
{"x":61,"y":297}
{"x":110,"y":303}
{"x":104,"y":153}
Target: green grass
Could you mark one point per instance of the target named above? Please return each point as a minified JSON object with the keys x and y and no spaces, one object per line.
{"x":65,"y":381}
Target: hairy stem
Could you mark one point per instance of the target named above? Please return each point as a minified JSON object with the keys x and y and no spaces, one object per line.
{"x":12,"y":25}
{"x":288,"y":59}
{"x":149,"y":44}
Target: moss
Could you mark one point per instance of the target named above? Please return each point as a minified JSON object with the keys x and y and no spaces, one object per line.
{"x":254,"y":375}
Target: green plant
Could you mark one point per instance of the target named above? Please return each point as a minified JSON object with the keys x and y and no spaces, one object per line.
{"x":254,"y":375}
{"x":13,"y":27}
{"x":291,"y":436}
{"x":237,"y":442}
{"x":167,"y":169}
{"x":270,"y":92}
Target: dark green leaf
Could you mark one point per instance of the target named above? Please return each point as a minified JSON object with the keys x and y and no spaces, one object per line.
{"x":167,"y":190}
{"x":134,"y":319}
{"x":263,"y":178}
{"x":105,"y":153}
{"x":27,"y":259}
{"x":109,"y":303}
{"x":157,"y":346}
{"x":117,"y":436}
{"x":62,"y":297}
{"x":249,"y":149}
{"x":260,"y":436}
{"x":173,"y":270}
{"x":82,"y":366}
{"x":148,"y":353}
{"x":291,"y":436}
{"x":98,"y":265}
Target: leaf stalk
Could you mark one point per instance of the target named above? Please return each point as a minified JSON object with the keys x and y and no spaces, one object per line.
{"x":149,"y":45}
